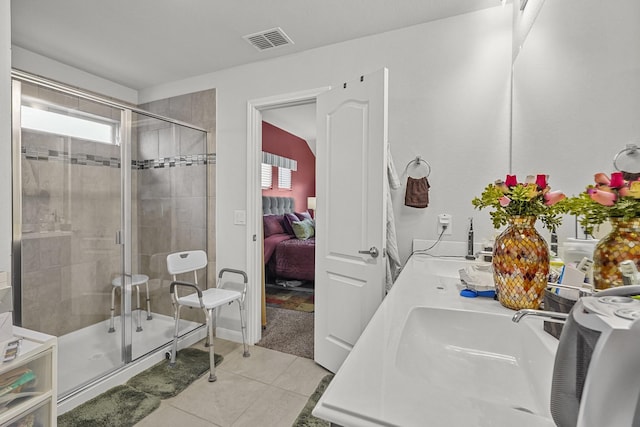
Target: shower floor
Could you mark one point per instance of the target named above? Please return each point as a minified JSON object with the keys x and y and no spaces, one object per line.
{"x":91,"y":352}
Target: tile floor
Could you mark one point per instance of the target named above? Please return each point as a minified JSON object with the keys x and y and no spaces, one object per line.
{"x":267,"y":389}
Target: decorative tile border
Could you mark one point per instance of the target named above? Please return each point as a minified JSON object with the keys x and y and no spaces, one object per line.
{"x":44,"y":154}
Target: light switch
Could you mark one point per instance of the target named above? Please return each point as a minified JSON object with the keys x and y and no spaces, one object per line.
{"x":240,"y":217}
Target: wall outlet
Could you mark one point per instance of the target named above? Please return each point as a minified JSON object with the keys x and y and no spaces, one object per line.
{"x":445,"y":219}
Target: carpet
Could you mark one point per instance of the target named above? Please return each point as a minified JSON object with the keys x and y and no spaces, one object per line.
{"x":121,"y":406}
{"x":125,"y":405}
{"x":290,"y":298}
{"x":305,"y":419}
{"x":164,"y":381}
{"x":288,"y":331}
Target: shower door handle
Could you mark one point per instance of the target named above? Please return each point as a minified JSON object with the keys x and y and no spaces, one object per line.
{"x":119,"y":237}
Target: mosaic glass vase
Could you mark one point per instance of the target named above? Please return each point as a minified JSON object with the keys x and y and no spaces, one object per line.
{"x":520,"y":264}
{"x":622,"y":243}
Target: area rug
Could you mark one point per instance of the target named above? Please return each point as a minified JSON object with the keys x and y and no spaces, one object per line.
{"x":288,"y":331}
{"x":305,"y":419}
{"x":165,"y":381}
{"x":125,"y":405}
{"x":289,"y":298}
{"x":120,"y":406}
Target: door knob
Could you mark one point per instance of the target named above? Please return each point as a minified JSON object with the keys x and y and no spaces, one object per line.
{"x":373,"y":252}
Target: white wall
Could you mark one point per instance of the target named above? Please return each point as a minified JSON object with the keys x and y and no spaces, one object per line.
{"x":448,"y":102}
{"x":5,"y":135}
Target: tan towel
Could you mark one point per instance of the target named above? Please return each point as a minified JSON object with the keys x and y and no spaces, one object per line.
{"x":417,"y":195}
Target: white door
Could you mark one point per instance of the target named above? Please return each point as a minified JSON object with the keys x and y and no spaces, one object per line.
{"x":351,"y":188}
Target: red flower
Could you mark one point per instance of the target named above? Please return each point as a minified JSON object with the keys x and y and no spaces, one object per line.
{"x":617,"y":180}
{"x":541,"y":181}
{"x":511,"y":181}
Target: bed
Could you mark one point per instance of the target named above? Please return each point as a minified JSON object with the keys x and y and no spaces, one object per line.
{"x":289,"y":242}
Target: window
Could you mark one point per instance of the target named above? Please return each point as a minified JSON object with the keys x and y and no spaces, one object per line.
{"x":266,"y":176}
{"x":284,"y":178}
{"x":63,"y":124}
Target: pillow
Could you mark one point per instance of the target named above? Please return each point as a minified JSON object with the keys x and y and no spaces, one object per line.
{"x":303,"y":229}
{"x":273,"y":225}
{"x":303,"y":215}
{"x":288,"y":219}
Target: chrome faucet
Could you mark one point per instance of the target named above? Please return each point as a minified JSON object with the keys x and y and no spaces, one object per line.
{"x":549,"y":316}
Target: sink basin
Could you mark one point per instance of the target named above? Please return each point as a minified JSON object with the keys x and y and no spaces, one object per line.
{"x":483,"y":356}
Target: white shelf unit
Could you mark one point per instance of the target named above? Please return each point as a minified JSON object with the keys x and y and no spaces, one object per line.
{"x":38,"y":352}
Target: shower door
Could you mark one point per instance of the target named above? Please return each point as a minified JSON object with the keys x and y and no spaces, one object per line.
{"x":68,"y":217}
{"x":168,"y":214}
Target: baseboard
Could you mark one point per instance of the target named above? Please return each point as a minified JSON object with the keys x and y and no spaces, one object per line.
{"x":230,"y":335}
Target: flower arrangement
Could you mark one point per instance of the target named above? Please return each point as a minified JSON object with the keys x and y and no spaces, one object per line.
{"x":609,"y":197}
{"x":510,"y":198}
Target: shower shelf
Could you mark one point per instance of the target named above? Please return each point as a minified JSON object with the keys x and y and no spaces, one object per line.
{"x":37,"y":400}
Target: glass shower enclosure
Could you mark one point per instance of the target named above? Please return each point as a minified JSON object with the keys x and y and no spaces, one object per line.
{"x":102,"y":193}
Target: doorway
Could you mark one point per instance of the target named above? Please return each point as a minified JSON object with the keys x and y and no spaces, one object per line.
{"x":257,"y":306}
{"x":288,"y":181}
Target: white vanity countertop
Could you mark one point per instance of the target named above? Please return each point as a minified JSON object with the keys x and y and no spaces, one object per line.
{"x":383,"y":384}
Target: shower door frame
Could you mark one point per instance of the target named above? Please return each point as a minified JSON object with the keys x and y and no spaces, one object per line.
{"x":125,"y":235}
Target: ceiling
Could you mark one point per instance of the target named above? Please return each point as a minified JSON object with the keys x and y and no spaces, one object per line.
{"x":144,"y":43}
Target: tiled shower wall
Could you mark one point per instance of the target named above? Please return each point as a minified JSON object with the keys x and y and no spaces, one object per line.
{"x":174,"y":200}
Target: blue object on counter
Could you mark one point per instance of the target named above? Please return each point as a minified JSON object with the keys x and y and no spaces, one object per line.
{"x":470,"y":293}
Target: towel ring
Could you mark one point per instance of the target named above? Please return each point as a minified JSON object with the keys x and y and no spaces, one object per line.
{"x":418,"y":161}
{"x":630,"y":150}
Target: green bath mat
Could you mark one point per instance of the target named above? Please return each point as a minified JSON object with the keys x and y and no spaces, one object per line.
{"x":305,"y":419}
{"x":120,"y":406}
{"x":164,"y":381}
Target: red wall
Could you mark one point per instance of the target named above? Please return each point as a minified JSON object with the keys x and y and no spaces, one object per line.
{"x":303,"y":181}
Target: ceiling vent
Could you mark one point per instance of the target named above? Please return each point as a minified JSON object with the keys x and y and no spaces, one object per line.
{"x":268,"y":39}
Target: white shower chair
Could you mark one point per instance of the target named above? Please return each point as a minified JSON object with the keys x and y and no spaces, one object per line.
{"x":136,"y":281}
{"x":225,"y":292}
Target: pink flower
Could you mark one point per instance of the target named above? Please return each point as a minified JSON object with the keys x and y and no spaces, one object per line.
{"x":504,"y":201}
{"x":511,"y":181}
{"x":602,"y":179}
{"x":541,"y":181}
{"x":605,"y":198}
{"x":617,"y":180}
{"x":553,"y":197}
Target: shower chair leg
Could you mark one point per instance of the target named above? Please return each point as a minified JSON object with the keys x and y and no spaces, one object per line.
{"x":146,"y":284}
{"x":113,"y":308}
{"x":174,"y":345}
{"x":139,"y":328}
{"x":212,"y":360}
{"x":243,"y":327}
